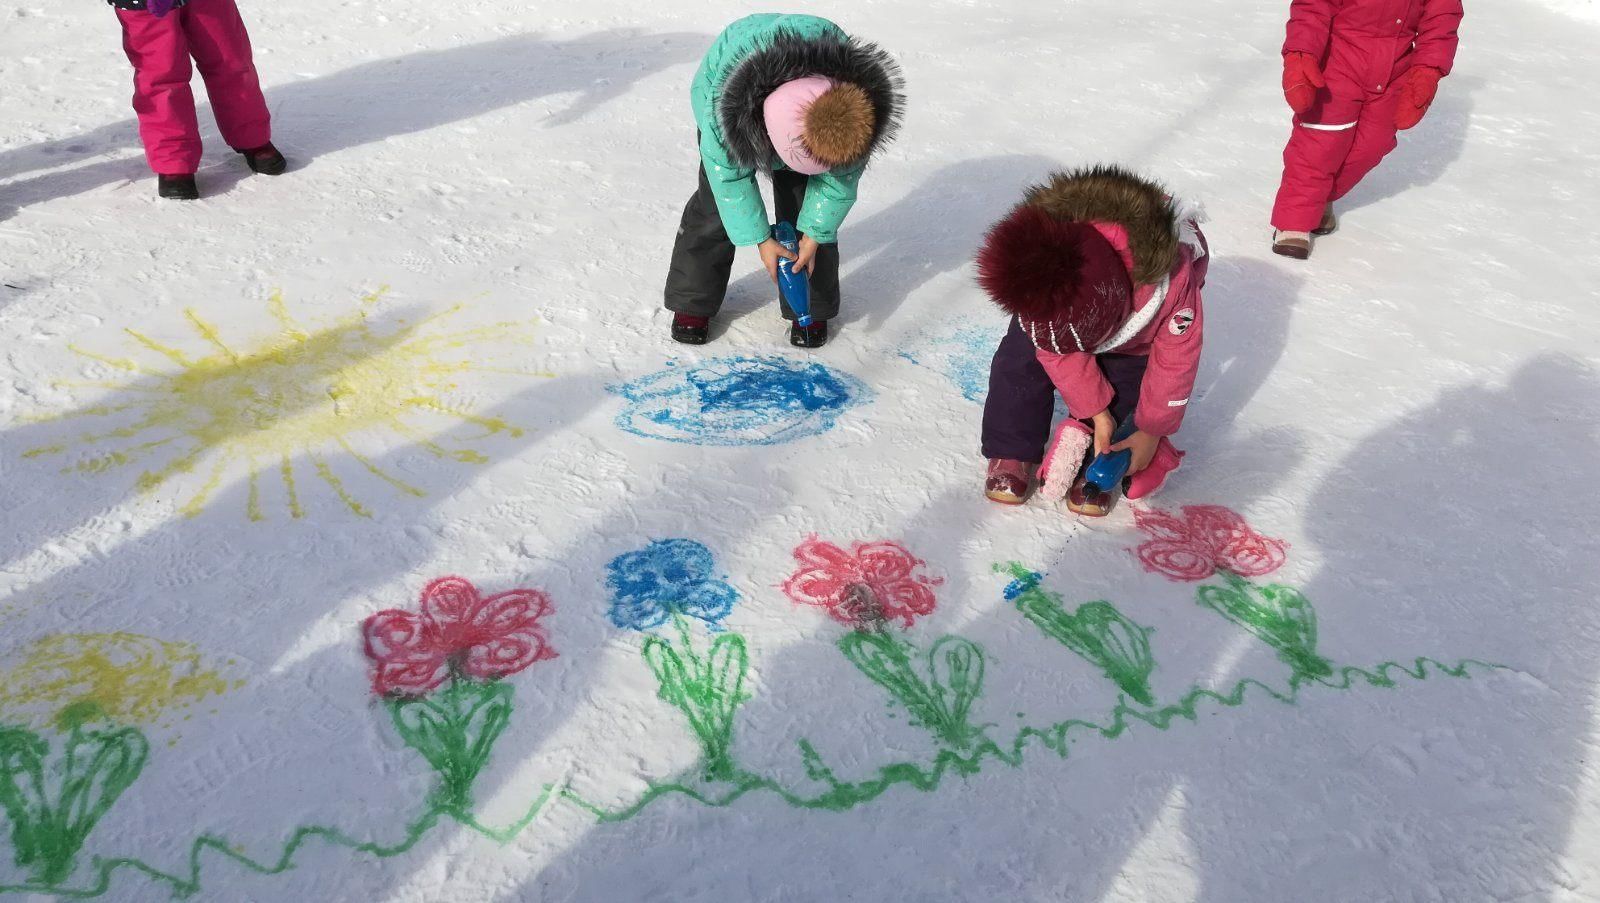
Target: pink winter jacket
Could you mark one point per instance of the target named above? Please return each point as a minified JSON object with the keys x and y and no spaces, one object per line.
{"x":1364,"y":45}
{"x":1168,"y":328}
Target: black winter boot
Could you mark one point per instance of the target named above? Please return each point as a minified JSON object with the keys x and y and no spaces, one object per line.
{"x":264,"y":160}
{"x":178,"y":188}
{"x":691,"y":330}
{"x":813,"y":336}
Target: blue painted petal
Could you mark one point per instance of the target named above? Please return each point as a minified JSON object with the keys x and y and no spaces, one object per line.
{"x":710,"y":602}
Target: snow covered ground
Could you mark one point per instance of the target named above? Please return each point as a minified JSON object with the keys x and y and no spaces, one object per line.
{"x":233,"y":431}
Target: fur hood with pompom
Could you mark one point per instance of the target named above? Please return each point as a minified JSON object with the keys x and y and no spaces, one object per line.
{"x":789,"y":55}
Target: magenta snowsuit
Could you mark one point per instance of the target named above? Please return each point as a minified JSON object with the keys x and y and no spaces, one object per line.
{"x":159,"y":47}
{"x":1363,"y":48}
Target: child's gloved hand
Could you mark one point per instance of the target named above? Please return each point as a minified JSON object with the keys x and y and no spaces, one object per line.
{"x":1104,"y":426}
{"x":806,"y":261}
{"x":1301,"y":79}
{"x":772,"y":252}
{"x":1416,"y":88}
{"x":1143,"y":445}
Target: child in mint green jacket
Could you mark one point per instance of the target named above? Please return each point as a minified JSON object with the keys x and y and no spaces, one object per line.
{"x":795,"y":96}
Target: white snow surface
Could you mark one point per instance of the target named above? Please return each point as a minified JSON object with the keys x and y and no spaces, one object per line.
{"x":1413,"y":411}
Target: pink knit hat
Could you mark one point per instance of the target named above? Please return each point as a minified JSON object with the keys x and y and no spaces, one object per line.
{"x":785,"y":114}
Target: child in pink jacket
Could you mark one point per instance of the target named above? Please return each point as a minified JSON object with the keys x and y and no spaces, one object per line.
{"x":1102,"y":277}
{"x":159,"y":37}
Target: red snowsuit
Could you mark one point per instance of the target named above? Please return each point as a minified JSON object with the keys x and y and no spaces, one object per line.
{"x":1363,"y":48}
{"x":159,"y":49}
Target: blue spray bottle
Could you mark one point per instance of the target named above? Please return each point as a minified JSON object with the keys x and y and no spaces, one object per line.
{"x":795,"y":287}
{"x":1106,"y":471}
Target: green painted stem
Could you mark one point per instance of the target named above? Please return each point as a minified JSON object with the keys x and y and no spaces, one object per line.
{"x":455,"y":729}
{"x":707,"y":690}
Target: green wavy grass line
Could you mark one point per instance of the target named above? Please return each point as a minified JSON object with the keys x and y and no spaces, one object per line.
{"x":840,"y":795}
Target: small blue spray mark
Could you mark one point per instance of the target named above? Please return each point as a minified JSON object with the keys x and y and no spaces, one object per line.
{"x":963,"y":357}
{"x":667,"y":577}
{"x":738,"y":401}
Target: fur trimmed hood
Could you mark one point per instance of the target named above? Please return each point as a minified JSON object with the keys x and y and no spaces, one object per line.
{"x":789,"y":56}
{"x":1111,"y":194}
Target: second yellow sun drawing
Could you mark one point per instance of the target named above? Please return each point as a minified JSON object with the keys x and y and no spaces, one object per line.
{"x":276,"y":406}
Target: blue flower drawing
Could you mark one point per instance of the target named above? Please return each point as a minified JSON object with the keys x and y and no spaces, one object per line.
{"x":738,"y":401}
{"x":667,"y":577}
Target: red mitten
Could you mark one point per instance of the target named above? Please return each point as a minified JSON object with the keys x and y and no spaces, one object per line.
{"x":1301,"y":79}
{"x":1416,"y":88}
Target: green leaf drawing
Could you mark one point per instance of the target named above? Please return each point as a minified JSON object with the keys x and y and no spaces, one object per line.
{"x":1278,"y":615}
{"x":707,"y":690}
{"x":942,"y":700}
{"x":54,"y":805}
{"x":455,"y":730}
{"x":1097,"y":631}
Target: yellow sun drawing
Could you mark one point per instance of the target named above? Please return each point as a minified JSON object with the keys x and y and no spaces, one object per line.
{"x":297,"y":393}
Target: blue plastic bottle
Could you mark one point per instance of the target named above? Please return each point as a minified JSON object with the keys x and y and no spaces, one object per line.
{"x":795,"y":287}
{"x":1106,"y":471}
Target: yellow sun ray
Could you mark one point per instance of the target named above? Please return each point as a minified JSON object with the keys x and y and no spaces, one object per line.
{"x":280,"y":312}
{"x":337,"y":485}
{"x":209,"y":333}
{"x":286,"y":472}
{"x":121,"y":363}
{"x":379,"y":472}
{"x":167,"y":351}
{"x":197,"y":502}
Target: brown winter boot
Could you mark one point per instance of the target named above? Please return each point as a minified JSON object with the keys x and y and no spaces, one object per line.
{"x":1329,"y":224}
{"x":1292,"y":244}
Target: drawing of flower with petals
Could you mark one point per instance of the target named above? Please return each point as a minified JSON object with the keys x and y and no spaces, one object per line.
{"x":440,"y":671}
{"x":483,"y":639}
{"x":873,"y":582}
{"x":1205,"y":540}
{"x":676,"y":579}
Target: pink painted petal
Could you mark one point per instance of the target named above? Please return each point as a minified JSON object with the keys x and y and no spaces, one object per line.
{"x":411,"y":678}
{"x":1253,"y":555}
{"x":1158,"y":524}
{"x":511,"y":611}
{"x":399,"y":636}
{"x":906,"y":600}
{"x":815,"y":587}
{"x":1178,"y":560}
{"x":1216,"y":525}
{"x":449,"y":601}
{"x":506,"y":655}
{"x":817,"y":553}
{"x":885,"y":562}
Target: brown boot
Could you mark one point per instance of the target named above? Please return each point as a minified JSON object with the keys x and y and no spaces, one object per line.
{"x":1292,"y":244}
{"x":1329,"y":224}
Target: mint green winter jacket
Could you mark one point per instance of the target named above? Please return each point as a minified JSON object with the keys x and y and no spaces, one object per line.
{"x":774,"y":47}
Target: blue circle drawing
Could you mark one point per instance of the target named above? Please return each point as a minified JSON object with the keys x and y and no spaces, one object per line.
{"x":738,"y":401}
{"x":667,"y":577}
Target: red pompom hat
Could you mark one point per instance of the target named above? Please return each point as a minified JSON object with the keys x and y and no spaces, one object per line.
{"x":1062,"y":280}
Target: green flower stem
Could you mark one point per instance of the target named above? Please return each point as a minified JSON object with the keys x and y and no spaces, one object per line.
{"x":455,"y":729}
{"x":708,"y":690}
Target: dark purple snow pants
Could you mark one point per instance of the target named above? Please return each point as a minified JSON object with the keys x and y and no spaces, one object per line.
{"x":1017,"y":413}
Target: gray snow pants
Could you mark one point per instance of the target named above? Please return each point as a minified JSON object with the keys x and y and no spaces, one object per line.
{"x":702,"y":257}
